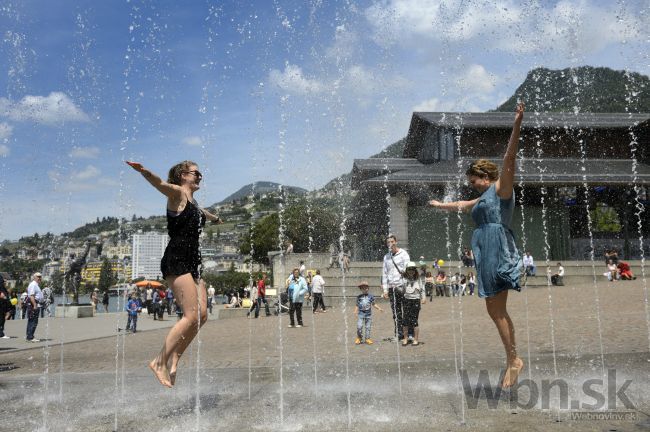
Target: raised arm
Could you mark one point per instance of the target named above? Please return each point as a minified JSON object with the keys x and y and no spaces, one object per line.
{"x":507,"y":178}
{"x":169,"y":190}
{"x":464,"y":206}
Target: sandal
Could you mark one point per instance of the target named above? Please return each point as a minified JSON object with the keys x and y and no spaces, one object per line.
{"x":405,"y":342}
{"x":415,"y":343}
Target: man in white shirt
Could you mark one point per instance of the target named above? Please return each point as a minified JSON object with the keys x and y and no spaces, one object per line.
{"x":210,"y":297}
{"x":392,"y":281}
{"x":529,"y":265}
{"x":318,"y":289}
{"x":558,"y":278}
{"x":34,"y":299}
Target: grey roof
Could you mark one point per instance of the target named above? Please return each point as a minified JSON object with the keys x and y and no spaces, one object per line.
{"x":566,"y":172}
{"x":533,"y":120}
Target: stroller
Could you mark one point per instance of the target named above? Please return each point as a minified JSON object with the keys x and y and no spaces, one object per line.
{"x":282,"y":304}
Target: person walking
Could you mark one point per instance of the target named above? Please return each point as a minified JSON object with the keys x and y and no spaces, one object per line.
{"x":414,"y":296}
{"x":392,"y":281}
{"x":34,"y":299}
{"x":211,"y":292}
{"x":498,"y":261}
{"x":181,"y":261}
{"x":5,"y":309}
{"x":296,"y":289}
{"x":133,"y":307}
{"x":318,"y":290}
{"x":105,"y":301}
{"x":261,"y":295}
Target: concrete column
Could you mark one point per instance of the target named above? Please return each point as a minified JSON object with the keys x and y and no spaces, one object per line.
{"x":399,"y":219}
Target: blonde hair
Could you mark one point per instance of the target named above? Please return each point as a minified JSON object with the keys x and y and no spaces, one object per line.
{"x":483,"y":168}
{"x":176,"y":172}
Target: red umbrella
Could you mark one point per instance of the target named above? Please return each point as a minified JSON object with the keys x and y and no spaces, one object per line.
{"x":144,"y":283}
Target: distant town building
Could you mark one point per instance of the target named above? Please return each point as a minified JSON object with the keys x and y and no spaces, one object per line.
{"x":147,"y":251}
{"x":119,"y":251}
{"x":92,"y":270}
{"x":50,"y":268}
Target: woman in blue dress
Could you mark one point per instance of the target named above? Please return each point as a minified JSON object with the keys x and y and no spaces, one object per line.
{"x":497,"y":259}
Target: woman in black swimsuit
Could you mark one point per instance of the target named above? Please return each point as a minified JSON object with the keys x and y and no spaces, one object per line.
{"x":181,"y":261}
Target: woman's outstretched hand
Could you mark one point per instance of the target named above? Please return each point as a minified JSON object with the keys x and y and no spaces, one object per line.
{"x":135,"y":165}
{"x":435,"y":203}
{"x":519,"y":112}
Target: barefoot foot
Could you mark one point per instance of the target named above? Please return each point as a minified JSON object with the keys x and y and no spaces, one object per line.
{"x":160,"y":371}
{"x":512,"y":373}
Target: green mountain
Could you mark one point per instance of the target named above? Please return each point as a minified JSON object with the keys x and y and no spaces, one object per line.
{"x":260,"y":187}
{"x":582,"y":89}
{"x":395,"y":150}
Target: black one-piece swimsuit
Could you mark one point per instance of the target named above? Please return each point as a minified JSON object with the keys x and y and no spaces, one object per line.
{"x":183,"y":254}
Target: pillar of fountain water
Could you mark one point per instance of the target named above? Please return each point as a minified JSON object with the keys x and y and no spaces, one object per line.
{"x":639,"y":208}
{"x":524,"y":238}
{"x":251,"y":280}
{"x":129,"y":112}
{"x":281,"y":244}
{"x":344,"y":310}
{"x":388,"y":217}
{"x":585,"y":186}
{"x":311,"y":232}
{"x":451,"y":193}
{"x":547,"y":248}
{"x":458,"y":130}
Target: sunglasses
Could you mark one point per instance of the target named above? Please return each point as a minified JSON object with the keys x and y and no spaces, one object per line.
{"x":195,"y":173}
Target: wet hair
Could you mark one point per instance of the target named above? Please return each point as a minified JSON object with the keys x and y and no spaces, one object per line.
{"x":428,"y":274}
{"x":391,"y":236}
{"x":484,"y":169}
{"x":176,"y":172}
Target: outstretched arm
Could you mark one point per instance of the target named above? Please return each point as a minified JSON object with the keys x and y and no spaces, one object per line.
{"x":506,"y":180}
{"x":169,"y":190}
{"x":464,"y":206}
{"x":212,"y":217}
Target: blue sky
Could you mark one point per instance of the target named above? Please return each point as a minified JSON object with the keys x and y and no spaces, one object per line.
{"x":285,"y":91}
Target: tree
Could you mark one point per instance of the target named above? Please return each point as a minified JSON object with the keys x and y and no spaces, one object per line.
{"x":308,"y":225}
{"x":107,"y":276}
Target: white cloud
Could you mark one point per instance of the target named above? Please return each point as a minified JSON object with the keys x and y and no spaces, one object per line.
{"x":346,"y":44}
{"x":84,"y":152}
{"x":477,"y":80}
{"x":193,"y":140}
{"x":4,"y":150}
{"x":87,"y":173}
{"x":292,"y":80}
{"x":5,"y":131}
{"x":569,"y":26}
{"x":55,"y":108}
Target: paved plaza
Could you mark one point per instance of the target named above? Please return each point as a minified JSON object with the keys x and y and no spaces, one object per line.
{"x":257,"y":374}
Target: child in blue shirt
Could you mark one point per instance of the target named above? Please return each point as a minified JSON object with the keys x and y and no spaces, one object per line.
{"x":363,"y":309}
{"x":132,"y":308}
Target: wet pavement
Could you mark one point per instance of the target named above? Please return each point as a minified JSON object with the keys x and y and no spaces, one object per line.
{"x":261,"y":375}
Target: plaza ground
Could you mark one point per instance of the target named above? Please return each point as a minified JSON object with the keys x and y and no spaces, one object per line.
{"x":258,"y":374}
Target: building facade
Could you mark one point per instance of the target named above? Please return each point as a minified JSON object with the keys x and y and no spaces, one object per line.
{"x":581,"y":179}
{"x":147,"y":251}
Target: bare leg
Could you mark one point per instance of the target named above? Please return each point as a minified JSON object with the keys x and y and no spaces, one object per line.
{"x":416,"y":335}
{"x":496,"y":307}
{"x":185,"y":342}
{"x":180,"y":336}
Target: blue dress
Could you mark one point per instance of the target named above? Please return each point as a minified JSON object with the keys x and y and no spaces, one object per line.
{"x":498,"y":262}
